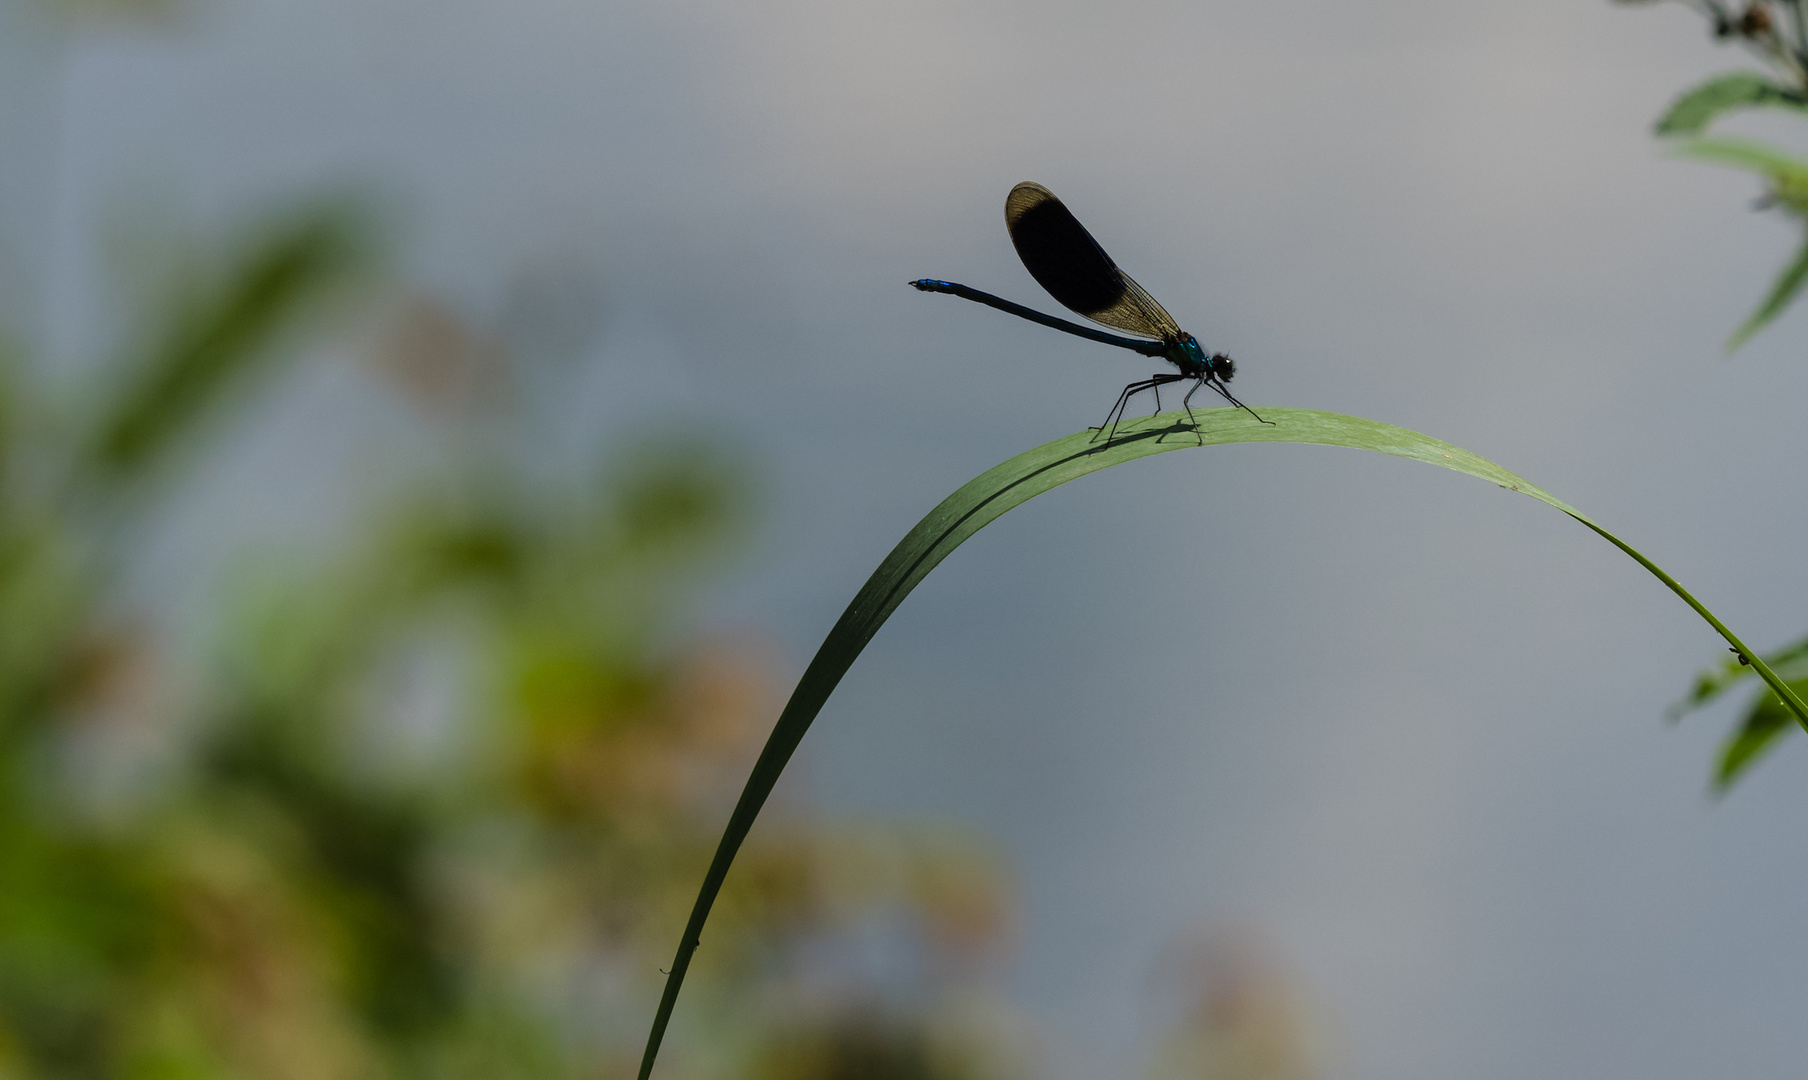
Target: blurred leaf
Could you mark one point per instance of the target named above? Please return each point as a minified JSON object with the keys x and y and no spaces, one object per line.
{"x":1767,"y":719}
{"x":1699,"y":107}
{"x":441,"y":548}
{"x":215,"y":340}
{"x":859,"y":1046}
{"x":1022,"y":478}
{"x":1748,"y":154}
{"x":1786,"y":288}
{"x":8,"y":407}
{"x":1789,"y":187}
{"x":672,"y":501}
{"x":45,"y":597}
{"x":1791,"y":664}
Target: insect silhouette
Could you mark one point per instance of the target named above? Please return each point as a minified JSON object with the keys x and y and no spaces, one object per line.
{"x":1065,"y":260}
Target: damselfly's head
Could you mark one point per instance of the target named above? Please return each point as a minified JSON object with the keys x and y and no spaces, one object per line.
{"x":1222,"y":367}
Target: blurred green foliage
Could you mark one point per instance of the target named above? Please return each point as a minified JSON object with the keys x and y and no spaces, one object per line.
{"x":1766,"y":717}
{"x":430,"y":804}
{"x":1777,"y":34}
{"x":216,"y":332}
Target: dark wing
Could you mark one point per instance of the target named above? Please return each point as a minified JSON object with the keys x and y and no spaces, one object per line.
{"x":1064,"y":259}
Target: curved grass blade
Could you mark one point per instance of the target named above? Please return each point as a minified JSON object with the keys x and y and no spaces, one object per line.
{"x":1024,"y":477}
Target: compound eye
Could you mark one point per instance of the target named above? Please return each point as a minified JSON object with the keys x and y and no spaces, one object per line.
{"x":1223,"y":367}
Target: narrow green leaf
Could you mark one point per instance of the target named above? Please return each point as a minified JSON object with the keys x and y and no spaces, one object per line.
{"x":1022,"y":478}
{"x":1789,"y":187}
{"x":1766,"y":720}
{"x":217,"y":338}
{"x":1699,"y":107}
{"x":1788,"y":285}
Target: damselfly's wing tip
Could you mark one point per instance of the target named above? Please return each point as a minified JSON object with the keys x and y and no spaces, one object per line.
{"x":1059,"y":253}
{"x":1065,"y":260}
{"x":1023,"y":197}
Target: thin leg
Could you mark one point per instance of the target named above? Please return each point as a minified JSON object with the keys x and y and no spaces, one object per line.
{"x":1123,"y":399}
{"x":1116,"y":414}
{"x":1187,"y":403}
{"x":1123,"y":396}
{"x":1155,"y":383}
{"x":1227,"y":396}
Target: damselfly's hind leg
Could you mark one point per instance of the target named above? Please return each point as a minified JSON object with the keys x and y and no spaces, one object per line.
{"x":1116,"y":414}
{"x":1117,"y":407}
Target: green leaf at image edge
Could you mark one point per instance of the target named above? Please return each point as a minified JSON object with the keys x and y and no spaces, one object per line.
{"x":1699,"y":107}
{"x":1022,"y":478}
{"x":1748,"y":154}
{"x":1785,"y":289}
{"x":1766,"y":719}
{"x":1788,"y":177}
